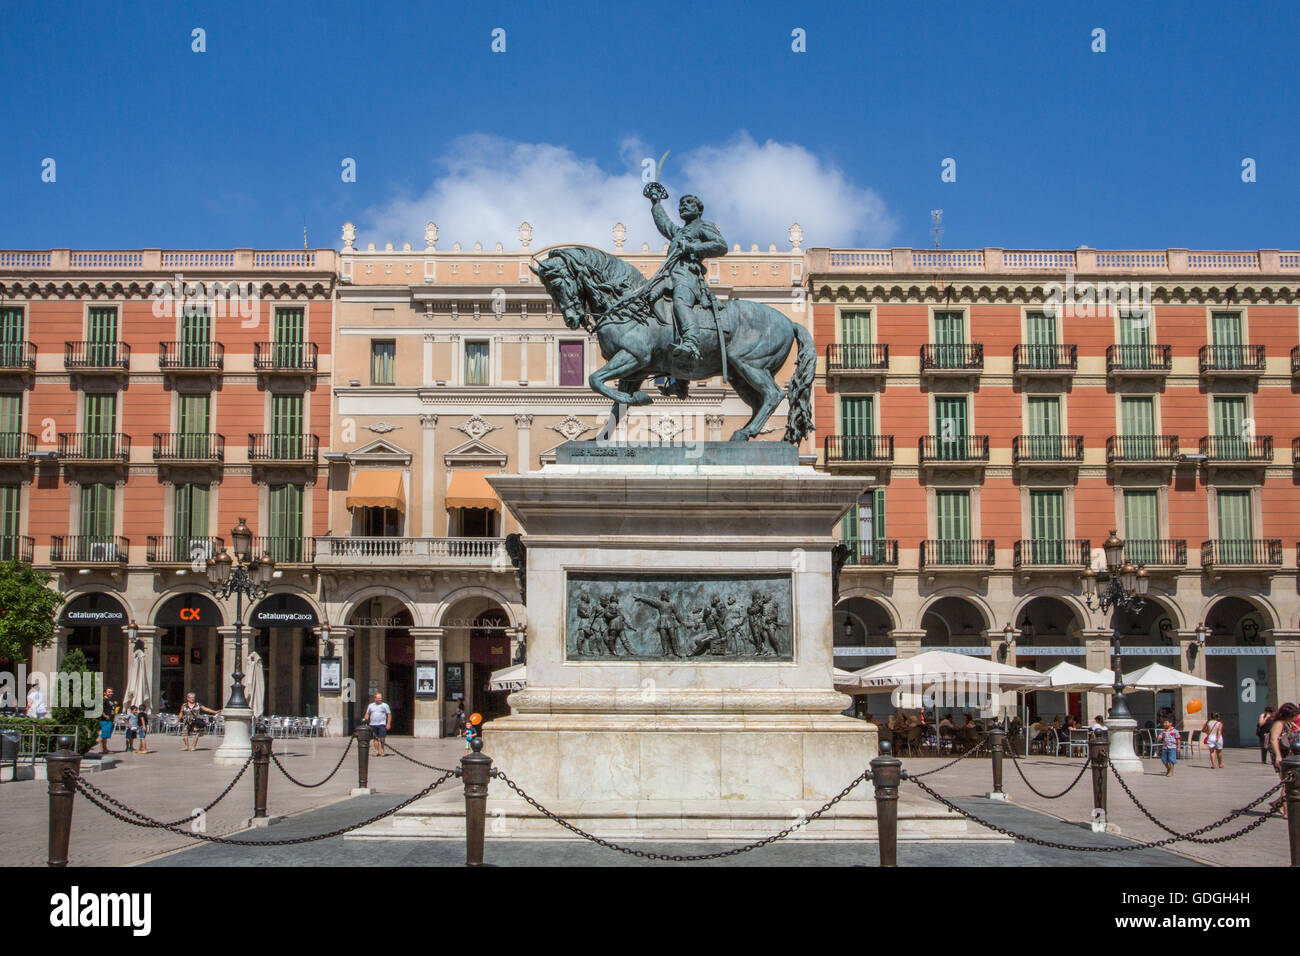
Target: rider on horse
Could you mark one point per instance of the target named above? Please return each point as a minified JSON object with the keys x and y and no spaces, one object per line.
{"x":689,"y":245}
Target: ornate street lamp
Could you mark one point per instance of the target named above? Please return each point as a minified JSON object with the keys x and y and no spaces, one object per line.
{"x":244,"y":576}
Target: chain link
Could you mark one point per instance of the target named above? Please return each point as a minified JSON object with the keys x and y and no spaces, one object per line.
{"x":196,"y":814}
{"x":680,"y":857}
{"x":1213,"y":826}
{"x":310,"y":786}
{"x":95,"y":796}
{"x":1056,"y":796}
{"x":420,"y":763}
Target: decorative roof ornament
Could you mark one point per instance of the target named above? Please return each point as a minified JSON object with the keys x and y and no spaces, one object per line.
{"x":476,"y":427}
{"x":572,"y":428}
{"x":349,"y":236}
{"x":796,"y":236}
{"x":430,"y":234}
{"x":382,"y":428}
{"x":620,"y":235}
{"x":525,"y":235}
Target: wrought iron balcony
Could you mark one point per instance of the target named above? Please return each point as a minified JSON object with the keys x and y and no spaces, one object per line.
{"x":14,"y":446}
{"x":97,"y":356}
{"x":881,"y":552}
{"x":16,"y":547}
{"x":1231,"y":448}
{"x":383,"y":552}
{"x":285,"y":356}
{"x":1052,"y":552}
{"x":937,"y":449}
{"x":970,"y":554}
{"x":846,"y":449}
{"x":182,"y":550}
{"x":1242,"y":552}
{"x":1156,"y":552}
{"x":1295,"y":360}
{"x":1295,"y":451}
{"x":92,"y":446}
{"x":18,"y":355}
{"x":866,"y":358}
{"x":182,"y":446}
{"x":89,"y":549}
{"x":1122,"y":449}
{"x":1044,"y":359}
{"x":1232,"y":359}
{"x":296,"y":449}
{"x":1137,"y":360}
{"x":1047,"y":449}
{"x":963,"y":359}
{"x":191,"y":356}
{"x":285,"y":550}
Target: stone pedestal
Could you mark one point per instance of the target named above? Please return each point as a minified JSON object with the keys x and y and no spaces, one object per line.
{"x":237,"y":746}
{"x":1122,"y":754}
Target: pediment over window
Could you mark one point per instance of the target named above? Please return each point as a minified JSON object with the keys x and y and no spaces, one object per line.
{"x":380,"y":452}
{"x":475,"y":452}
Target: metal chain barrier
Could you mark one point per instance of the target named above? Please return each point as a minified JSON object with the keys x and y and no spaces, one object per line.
{"x":680,"y":857}
{"x":309,"y":786}
{"x":970,"y":753}
{"x":1196,"y":839}
{"x":1015,"y":762}
{"x":1124,"y":848}
{"x":198,"y":813}
{"x":419,"y":763}
{"x":106,"y":803}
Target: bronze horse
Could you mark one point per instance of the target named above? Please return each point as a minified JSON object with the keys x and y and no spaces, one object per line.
{"x":598,"y":292}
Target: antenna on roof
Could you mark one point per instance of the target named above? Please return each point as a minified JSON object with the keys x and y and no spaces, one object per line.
{"x":936,"y":215}
{"x":304,"y":237}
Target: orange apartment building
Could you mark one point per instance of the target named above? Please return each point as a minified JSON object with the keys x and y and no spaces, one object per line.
{"x":1005,"y":417}
{"x":149,"y":400}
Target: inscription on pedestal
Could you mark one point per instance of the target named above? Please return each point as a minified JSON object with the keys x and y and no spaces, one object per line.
{"x":664,"y":616}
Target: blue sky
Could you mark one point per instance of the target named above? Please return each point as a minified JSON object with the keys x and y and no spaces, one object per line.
{"x":1055,"y":145}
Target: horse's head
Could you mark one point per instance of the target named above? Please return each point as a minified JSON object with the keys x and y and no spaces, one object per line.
{"x":557,"y":275}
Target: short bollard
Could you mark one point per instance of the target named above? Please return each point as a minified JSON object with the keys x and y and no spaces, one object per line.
{"x":1291,"y":773}
{"x":886,"y":774}
{"x":261,"y":772}
{"x":61,"y":795}
{"x":363,"y":736}
{"x":1099,"y":754}
{"x":997,"y":734}
{"x":475,"y":770}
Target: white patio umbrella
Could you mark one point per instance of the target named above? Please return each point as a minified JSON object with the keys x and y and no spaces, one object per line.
{"x":256,"y":684}
{"x":945,"y":667}
{"x":137,"y":683}
{"x":1072,"y":679}
{"x":1160,"y":677}
{"x":514,"y":677}
{"x":846,"y":682}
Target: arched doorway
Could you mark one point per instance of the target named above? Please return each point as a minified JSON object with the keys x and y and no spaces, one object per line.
{"x":189,"y":651}
{"x":1050,"y":632}
{"x":283,"y":637}
{"x":383,"y":658}
{"x":476,"y":640}
{"x":1149,"y":637}
{"x":954,"y":623}
{"x":97,"y":621}
{"x":1238,"y":656}
{"x":863,"y":636}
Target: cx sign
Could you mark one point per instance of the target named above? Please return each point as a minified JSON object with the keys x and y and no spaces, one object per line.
{"x":189,"y":614}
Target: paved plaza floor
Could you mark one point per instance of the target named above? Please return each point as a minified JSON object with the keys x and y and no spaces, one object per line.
{"x":169,"y":783}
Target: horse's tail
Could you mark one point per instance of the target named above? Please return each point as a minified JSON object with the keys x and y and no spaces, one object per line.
{"x":799,"y":420}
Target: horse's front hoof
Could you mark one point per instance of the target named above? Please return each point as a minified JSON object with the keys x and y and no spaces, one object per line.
{"x":640,"y":398}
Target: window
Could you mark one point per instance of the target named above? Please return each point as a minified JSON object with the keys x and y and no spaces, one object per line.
{"x":1047,"y":527}
{"x":863,"y":529}
{"x":286,"y":426}
{"x":97,"y":513}
{"x":190,"y":524}
{"x":1041,"y":330}
{"x":196,"y":337}
{"x":857,"y":425}
{"x":192,"y":423}
{"x":101,"y":336}
{"x":572,"y":362}
{"x":1045,"y":415}
{"x":10,"y":516}
{"x":950,"y":337}
{"x":855,"y":328}
{"x":285,"y":540}
{"x":1230,"y":431}
{"x":1137,"y":416}
{"x":1236,"y":528}
{"x":952,"y":522}
{"x":950,"y":426}
{"x":287,"y":344}
{"x":101,"y":424}
{"x":1226,"y":330}
{"x":476,"y":363}
{"x":11,"y":337}
{"x":383,"y":359}
{"x":11,"y":424}
{"x":1141,"y":526}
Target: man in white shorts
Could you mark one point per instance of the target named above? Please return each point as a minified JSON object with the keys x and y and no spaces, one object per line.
{"x":380,"y":718}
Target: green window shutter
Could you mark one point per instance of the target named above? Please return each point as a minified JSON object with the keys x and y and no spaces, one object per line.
{"x":11,"y":337}
{"x":1141,"y":526}
{"x":950,"y":425}
{"x":383,"y":357}
{"x":10,"y":518}
{"x":1236,"y":529}
{"x":97,"y":512}
{"x":950,"y":337}
{"x":1047,"y":526}
{"x":1229,"y":425}
{"x":1226,"y":330}
{"x":286,"y":523}
{"x":190,"y":527}
{"x":857,"y":420}
{"x":952,"y":513}
{"x":1138,"y":425}
{"x":1135,"y":333}
{"x":849,"y":526}
{"x":878,"y":524}
{"x":1041,"y":330}
{"x":286,"y":425}
{"x":192,"y":423}
{"x":288,"y":341}
{"x":196,"y":338}
{"x":855,"y":328}
{"x":1045,"y":426}
{"x":101,"y":326}
{"x":101,"y":423}
{"x":11,"y":423}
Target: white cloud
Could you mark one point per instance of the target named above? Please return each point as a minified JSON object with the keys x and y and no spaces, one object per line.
{"x":485,"y":186}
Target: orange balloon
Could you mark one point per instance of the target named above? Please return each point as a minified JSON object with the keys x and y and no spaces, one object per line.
{"x":1193,"y":706}
{"x":476,"y":719}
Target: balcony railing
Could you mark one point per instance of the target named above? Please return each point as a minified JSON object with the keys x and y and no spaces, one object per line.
{"x":1051,"y":552}
{"x":286,"y":550}
{"x":882,"y":551}
{"x":1295,"y":360}
{"x":17,"y":355}
{"x":1045,"y":358}
{"x":1150,"y":359}
{"x":1248,"y":552}
{"x":88,"y":549}
{"x":1295,"y":451}
{"x":937,"y":448}
{"x":1156,"y":552}
{"x":1248,"y":359}
{"x":191,"y":356}
{"x":973,"y":553}
{"x":1124,"y":448}
{"x":952,"y":358}
{"x":1047,"y":448}
{"x":858,"y":448}
{"x":104,"y":356}
{"x":14,"y":446}
{"x":92,"y":446}
{"x":182,"y":549}
{"x":16,"y":547}
{"x":1232,"y":448}
{"x":872,"y":357}
{"x":403,"y":551}
{"x":295,"y":448}
{"x":182,"y":446}
{"x":285,"y":356}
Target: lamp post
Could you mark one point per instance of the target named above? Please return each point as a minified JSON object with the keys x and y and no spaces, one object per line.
{"x":1122,"y":587}
{"x":242,"y":576}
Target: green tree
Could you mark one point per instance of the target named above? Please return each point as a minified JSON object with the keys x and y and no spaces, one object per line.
{"x":27,"y":607}
{"x":74,"y":662}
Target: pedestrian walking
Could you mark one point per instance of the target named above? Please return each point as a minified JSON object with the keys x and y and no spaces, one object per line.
{"x":107,"y":713}
{"x":380,"y":718}
{"x":1170,"y":738}
{"x":36,"y":703}
{"x":193,"y":721}
{"x":1214,"y":741}
{"x":1262,"y":728}
{"x":144,"y":730}
{"x":1282,"y":735}
{"x":458,"y":719}
{"x":132,"y":728}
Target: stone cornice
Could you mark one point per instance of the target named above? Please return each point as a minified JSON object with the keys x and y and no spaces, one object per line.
{"x":1016,"y":290}
{"x":79,"y":287}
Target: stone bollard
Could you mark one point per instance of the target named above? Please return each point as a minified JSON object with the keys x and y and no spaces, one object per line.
{"x":363,"y":736}
{"x":1290,"y":767}
{"x":261,"y":744}
{"x":61,"y":795}
{"x":1099,"y":754}
{"x":997,"y":734}
{"x":886,"y":774}
{"x":475,"y":770}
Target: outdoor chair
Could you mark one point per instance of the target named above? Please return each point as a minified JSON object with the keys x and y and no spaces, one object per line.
{"x":1192,"y":743}
{"x":913,"y":740}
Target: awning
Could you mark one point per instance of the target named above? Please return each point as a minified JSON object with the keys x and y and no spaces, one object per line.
{"x":510,"y":678}
{"x":377,"y":488}
{"x":470,"y":489}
